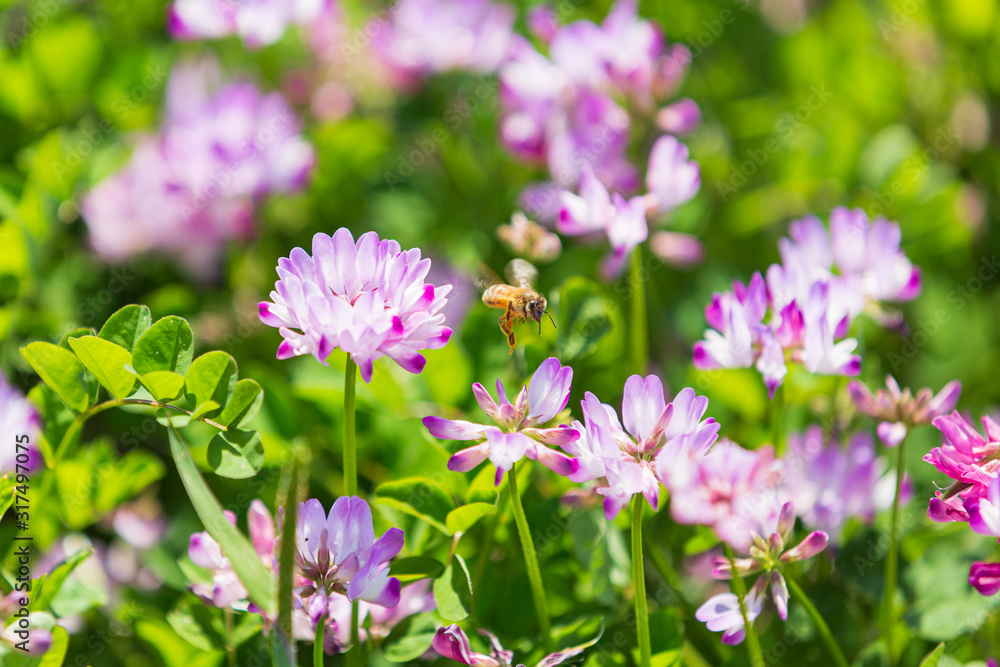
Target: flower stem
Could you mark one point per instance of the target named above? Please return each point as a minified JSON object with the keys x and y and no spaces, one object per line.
{"x":892,"y":558}
{"x":530,"y":561}
{"x":350,"y":452}
{"x":318,"y":642}
{"x":821,"y":626}
{"x":230,"y":647}
{"x":354,"y":653}
{"x":639,"y":584}
{"x":740,"y":588}
{"x":637,"y":294}
{"x":778,"y":434}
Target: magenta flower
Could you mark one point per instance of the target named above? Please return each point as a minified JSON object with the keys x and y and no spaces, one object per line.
{"x":337,"y":554}
{"x":984,"y":510}
{"x":899,"y":410}
{"x":18,"y":417}
{"x":829,"y":484}
{"x":226,"y":590}
{"x":517,"y":433}
{"x":193,"y":186}
{"x":656,"y":437}
{"x":423,"y":37}
{"x":985,"y":577}
{"x":681,"y":117}
{"x":257,"y":22}
{"x":369,"y":299}
{"x":450,"y":642}
{"x":721,"y":613}
{"x":731,"y":489}
{"x":966,"y":456}
{"x":595,"y":210}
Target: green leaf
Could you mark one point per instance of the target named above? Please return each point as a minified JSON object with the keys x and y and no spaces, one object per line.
{"x":236,"y":454}
{"x":462,"y":519}
{"x":62,"y":371}
{"x":195,"y":622}
{"x":409,"y":648}
{"x":933,"y":658}
{"x":74,"y":333}
{"x":420,"y":497}
{"x":245,"y":561}
{"x":47,"y":586}
{"x":212,"y":377}
{"x":165,"y":386}
{"x":168,"y":345}
{"x":6,"y":494}
{"x":126,"y":325}
{"x":107,"y":362}
{"x":57,"y":650}
{"x":244,"y":404}
{"x":453,"y":591}
{"x":416,"y":567}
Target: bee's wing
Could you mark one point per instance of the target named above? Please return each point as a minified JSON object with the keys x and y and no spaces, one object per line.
{"x":486,"y":277}
{"x":521,"y":273}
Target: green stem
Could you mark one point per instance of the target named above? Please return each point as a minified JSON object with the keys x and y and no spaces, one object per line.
{"x":778,"y":421}
{"x":892,"y":558}
{"x":821,"y":626}
{"x":639,"y":584}
{"x":318,"y":642}
{"x":230,"y":648}
{"x":356,"y":631}
{"x":530,"y":561}
{"x":638,"y":330}
{"x":350,"y":452}
{"x":740,"y":588}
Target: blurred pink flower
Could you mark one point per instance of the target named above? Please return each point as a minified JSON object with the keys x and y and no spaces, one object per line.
{"x":526,"y":238}
{"x":18,"y":417}
{"x":899,"y":410}
{"x":656,"y":437}
{"x":985,"y":578}
{"x":450,"y":642}
{"x":368,"y":298}
{"x":517,"y":434}
{"x":192,"y":187}
{"x":257,"y":22}
{"x":672,"y":178}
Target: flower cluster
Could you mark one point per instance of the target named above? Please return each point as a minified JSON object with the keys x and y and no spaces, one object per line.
{"x":721,"y":613}
{"x":804,"y":310}
{"x":18,"y":417}
{"x":898,"y":410}
{"x":453,"y":644}
{"x":422,"y":37}
{"x":517,"y":433}
{"x":657,"y":437}
{"x":368,"y":298}
{"x":192,"y":186}
{"x":257,"y":23}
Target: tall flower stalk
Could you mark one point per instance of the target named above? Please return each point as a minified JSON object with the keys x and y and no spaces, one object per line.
{"x":639,"y":584}
{"x":892,"y":558}
{"x":740,"y":589}
{"x":637,"y":294}
{"x":530,"y":562}
{"x":350,"y":411}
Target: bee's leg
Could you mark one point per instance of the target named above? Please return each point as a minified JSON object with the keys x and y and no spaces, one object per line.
{"x":507,"y":323}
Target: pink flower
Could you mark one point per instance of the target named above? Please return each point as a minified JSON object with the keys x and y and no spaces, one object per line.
{"x":984,"y":510}
{"x":899,"y":410}
{"x":423,"y":37}
{"x":257,"y":22}
{"x":966,"y":456}
{"x":18,"y":417}
{"x":193,"y":186}
{"x":985,"y":577}
{"x":829,"y":484}
{"x":530,"y":240}
{"x":656,"y":436}
{"x":450,"y":642}
{"x":672,"y":178}
{"x":369,"y":299}
{"x":517,"y":433}
{"x":721,"y":613}
{"x":226,"y":590}
{"x":731,"y":489}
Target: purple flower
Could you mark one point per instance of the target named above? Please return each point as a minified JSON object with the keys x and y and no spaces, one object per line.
{"x":18,"y":417}
{"x":338,"y":555}
{"x":450,"y":642}
{"x":898,"y":410}
{"x":192,"y":186}
{"x":423,"y":37}
{"x":226,"y":590}
{"x":731,"y":489}
{"x":984,"y":510}
{"x":656,"y":436}
{"x":672,"y":178}
{"x":369,"y":299}
{"x":681,"y":117}
{"x":721,"y":613}
{"x":257,"y":22}
{"x":34,"y":637}
{"x":985,"y":577}
{"x":829,"y":484}
{"x":595,"y":210}
{"x":517,"y":433}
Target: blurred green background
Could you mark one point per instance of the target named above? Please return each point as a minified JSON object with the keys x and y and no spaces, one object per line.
{"x":888,"y":106}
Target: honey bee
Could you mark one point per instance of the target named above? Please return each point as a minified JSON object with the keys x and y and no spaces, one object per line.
{"x":518,"y":300}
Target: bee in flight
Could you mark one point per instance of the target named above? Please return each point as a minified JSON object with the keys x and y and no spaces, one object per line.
{"x":518,"y":300}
